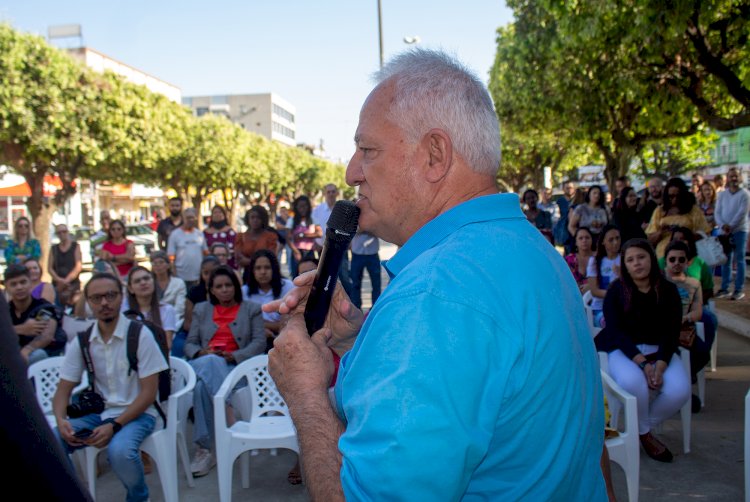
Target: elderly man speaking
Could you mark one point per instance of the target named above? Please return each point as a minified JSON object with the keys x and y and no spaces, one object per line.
{"x":474,"y":376}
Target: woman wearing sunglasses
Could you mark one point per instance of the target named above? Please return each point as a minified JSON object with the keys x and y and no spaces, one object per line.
{"x":23,"y":246}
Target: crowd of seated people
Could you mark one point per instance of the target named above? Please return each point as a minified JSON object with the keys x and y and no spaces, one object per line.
{"x":648,"y":295}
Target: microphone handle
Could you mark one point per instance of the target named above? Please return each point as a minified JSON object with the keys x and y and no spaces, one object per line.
{"x":319,"y":300}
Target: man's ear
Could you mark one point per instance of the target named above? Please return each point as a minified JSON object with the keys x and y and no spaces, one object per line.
{"x":440,"y":151}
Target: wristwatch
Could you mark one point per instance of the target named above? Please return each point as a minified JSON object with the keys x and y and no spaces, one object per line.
{"x":643,"y":364}
{"x":116,"y":426}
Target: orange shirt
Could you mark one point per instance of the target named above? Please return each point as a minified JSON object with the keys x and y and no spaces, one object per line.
{"x":223,"y":339}
{"x":247,"y":246}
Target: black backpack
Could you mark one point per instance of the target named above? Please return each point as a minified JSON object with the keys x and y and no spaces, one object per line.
{"x":132,"y":340}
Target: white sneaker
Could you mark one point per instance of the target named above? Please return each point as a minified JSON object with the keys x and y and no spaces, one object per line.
{"x":738,"y":295}
{"x":203,"y":461}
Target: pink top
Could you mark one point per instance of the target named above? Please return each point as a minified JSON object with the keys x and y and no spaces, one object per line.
{"x":118,"y":249}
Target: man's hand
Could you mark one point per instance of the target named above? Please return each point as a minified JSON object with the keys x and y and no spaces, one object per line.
{"x":727,"y":229}
{"x":344,"y":319}
{"x":300,"y":365}
{"x":101,"y":436}
{"x":66,"y":432}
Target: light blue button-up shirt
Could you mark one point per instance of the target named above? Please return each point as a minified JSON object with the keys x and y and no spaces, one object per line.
{"x":474,"y":376}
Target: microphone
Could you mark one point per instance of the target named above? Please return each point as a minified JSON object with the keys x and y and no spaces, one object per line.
{"x":340,"y":229}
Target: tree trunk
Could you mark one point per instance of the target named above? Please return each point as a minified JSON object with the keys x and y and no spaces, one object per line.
{"x":41,"y":216}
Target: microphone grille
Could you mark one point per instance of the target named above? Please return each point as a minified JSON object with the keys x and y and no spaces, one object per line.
{"x":344,"y":216}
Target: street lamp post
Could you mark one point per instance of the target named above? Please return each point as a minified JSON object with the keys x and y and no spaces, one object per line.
{"x":380,"y":33}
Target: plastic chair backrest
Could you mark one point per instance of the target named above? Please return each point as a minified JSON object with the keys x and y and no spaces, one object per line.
{"x":45,"y":376}
{"x":265,"y":395}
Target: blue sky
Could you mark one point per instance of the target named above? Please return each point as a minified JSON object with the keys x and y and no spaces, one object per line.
{"x":317,"y":55}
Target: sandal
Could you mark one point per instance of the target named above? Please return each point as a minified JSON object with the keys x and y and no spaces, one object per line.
{"x":655,"y":448}
{"x":294,"y":477}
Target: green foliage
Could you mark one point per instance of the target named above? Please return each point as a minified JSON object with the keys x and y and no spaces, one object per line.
{"x":571,"y":73}
{"x":58,"y":117}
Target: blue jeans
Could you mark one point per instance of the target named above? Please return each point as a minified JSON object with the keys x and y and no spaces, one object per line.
{"x":178,"y":344}
{"x":211,"y":371}
{"x":360,"y":262}
{"x":123,"y":451}
{"x":344,"y":277}
{"x":737,"y":254}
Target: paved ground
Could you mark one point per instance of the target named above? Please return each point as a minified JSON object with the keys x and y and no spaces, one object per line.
{"x":713,"y":470}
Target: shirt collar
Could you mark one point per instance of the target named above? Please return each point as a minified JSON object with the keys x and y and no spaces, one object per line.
{"x":479,"y":209}
{"x":119,"y":332}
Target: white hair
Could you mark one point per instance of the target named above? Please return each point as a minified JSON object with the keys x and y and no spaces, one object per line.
{"x":434,"y":90}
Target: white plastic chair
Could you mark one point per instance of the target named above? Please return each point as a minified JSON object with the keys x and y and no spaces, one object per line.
{"x":163,"y":444}
{"x":588,"y":298}
{"x":268,"y":425}
{"x":44,"y":376}
{"x":701,"y":376}
{"x":625,"y":448}
{"x":686,"y":414}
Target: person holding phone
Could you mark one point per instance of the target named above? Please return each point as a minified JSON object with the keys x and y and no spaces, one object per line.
{"x":34,"y":319}
{"x":224,"y":331}
{"x":129,"y":415}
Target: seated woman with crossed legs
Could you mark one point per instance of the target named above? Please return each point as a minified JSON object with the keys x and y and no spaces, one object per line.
{"x":224,"y":332}
{"x":644,"y":315}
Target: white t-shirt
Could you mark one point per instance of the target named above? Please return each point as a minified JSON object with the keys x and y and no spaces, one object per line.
{"x":166,"y":312}
{"x":262,"y":298}
{"x":111,"y":365}
{"x":609,"y":274}
{"x":320,"y":215}
{"x":188,"y":250}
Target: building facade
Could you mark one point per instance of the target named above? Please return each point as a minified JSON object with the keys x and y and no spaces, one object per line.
{"x":266,"y":114}
{"x":732,"y":150}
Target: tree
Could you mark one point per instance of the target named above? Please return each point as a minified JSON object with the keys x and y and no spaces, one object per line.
{"x":46,"y":125}
{"x":698,"y":49}
{"x":569,"y":71}
{"x":676,"y":156}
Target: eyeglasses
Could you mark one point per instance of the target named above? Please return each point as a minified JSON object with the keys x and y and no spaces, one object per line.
{"x":110,"y":296}
{"x":679,"y":259}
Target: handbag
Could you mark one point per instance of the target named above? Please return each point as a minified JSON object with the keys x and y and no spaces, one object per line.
{"x":687,"y":334}
{"x":710,"y":250}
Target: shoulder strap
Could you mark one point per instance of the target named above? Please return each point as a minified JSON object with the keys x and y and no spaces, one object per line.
{"x":83,"y":341}
{"x":134,"y":332}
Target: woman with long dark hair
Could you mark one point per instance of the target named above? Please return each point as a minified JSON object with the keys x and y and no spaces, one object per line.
{"x":678,"y":210}
{"x":627,"y":217}
{"x":603,"y":268}
{"x":578,"y":260}
{"x":593,"y":214}
{"x":264,"y":283}
{"x":644,"y":315}
{"x":142,"y":299}
{"x":224,"y":332}
{"x":303,"y":232}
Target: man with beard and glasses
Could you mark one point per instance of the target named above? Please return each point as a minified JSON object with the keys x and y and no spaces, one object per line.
{"x":129,"y":415}
{"x":171,"y":222}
